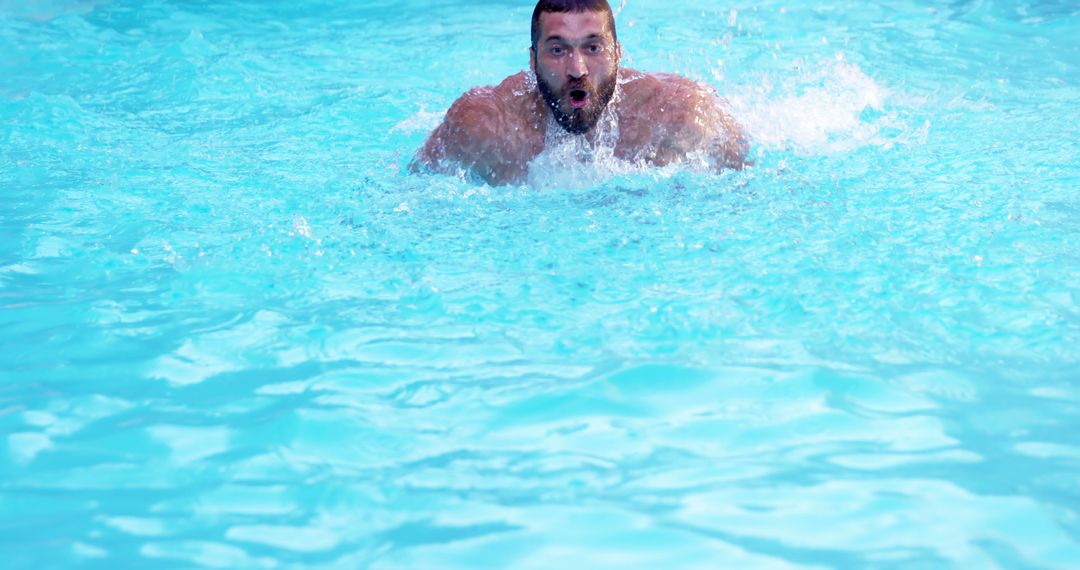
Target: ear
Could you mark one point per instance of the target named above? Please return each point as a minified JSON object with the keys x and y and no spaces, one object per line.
{"x":532,"y":60}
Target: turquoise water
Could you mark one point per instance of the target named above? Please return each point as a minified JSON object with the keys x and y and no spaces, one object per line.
{"x":235,"y":334}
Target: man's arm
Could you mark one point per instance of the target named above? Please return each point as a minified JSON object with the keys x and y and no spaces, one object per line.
{"x":696,"y":121}
{"x":727,"y":147}
{"x":470,"y":137}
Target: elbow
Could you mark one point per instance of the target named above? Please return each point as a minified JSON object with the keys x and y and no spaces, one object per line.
{"x":734,"y":148}
{"x":731,"y":153}
{"x":739,"y":153}
{"x":421,"y":162}
{"x":432,"y":154}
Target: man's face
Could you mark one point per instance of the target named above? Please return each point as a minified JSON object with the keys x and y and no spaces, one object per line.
{"x":576,"y":63}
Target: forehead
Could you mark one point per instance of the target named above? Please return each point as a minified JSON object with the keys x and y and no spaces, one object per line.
{"x":574,"y":25}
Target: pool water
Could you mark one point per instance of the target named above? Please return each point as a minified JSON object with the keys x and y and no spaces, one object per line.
{"x":234,"y":333}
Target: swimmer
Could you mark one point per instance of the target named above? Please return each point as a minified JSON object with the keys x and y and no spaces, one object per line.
{"x":495,"y":132}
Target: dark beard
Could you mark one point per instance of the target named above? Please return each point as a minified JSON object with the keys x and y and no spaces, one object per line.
{"x":578,"y":121}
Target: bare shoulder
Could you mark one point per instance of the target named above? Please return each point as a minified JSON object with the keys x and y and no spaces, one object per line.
{"x":478,"y":130}
{"x":475,"y":113}
{"x":471,"y":123}
{"x":485,"y":110}
{"x":668,"y":97}
{"x":675,"y":116}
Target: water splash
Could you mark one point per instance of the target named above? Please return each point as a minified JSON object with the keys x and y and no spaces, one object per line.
{"x":570,"y":160}
{"x":422,"y":121}
{"x":827,"y":108}
{"x":622,"y":6}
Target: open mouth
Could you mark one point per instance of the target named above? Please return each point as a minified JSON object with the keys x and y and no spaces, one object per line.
{"x":579,"y":98}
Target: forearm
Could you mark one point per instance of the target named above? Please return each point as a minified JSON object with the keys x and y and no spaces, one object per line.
{"x":729,"y":151}
{"x":728,"y":145}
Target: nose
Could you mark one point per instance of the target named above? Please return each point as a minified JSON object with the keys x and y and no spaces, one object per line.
{"x":577,"y":68}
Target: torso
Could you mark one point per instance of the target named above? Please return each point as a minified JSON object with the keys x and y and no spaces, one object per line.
{"x":653,"y":113}
{"x":640,"y":111}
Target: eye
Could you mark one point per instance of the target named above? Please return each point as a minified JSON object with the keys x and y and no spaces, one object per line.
{"x":595,"y":48}
{"x":557,"y":51}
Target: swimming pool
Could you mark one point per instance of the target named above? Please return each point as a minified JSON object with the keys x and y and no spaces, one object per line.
{"x":235,"y":334}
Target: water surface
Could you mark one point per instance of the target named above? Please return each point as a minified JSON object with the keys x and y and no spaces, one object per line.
{"x":235,"y":334}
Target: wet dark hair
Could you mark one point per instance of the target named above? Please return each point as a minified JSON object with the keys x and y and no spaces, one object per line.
{"x":571,"y":6}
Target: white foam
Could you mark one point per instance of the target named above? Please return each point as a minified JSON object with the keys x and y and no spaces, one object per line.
{"x":830,"y":107}
{"x":421,"y":121}
{"x":574,"y":160}
{"x":818,"y":110}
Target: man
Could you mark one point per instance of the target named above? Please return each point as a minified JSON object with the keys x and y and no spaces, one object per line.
{"x":659,"y":119}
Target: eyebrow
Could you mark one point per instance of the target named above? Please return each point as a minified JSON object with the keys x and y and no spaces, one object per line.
{"x":566,"y":41}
